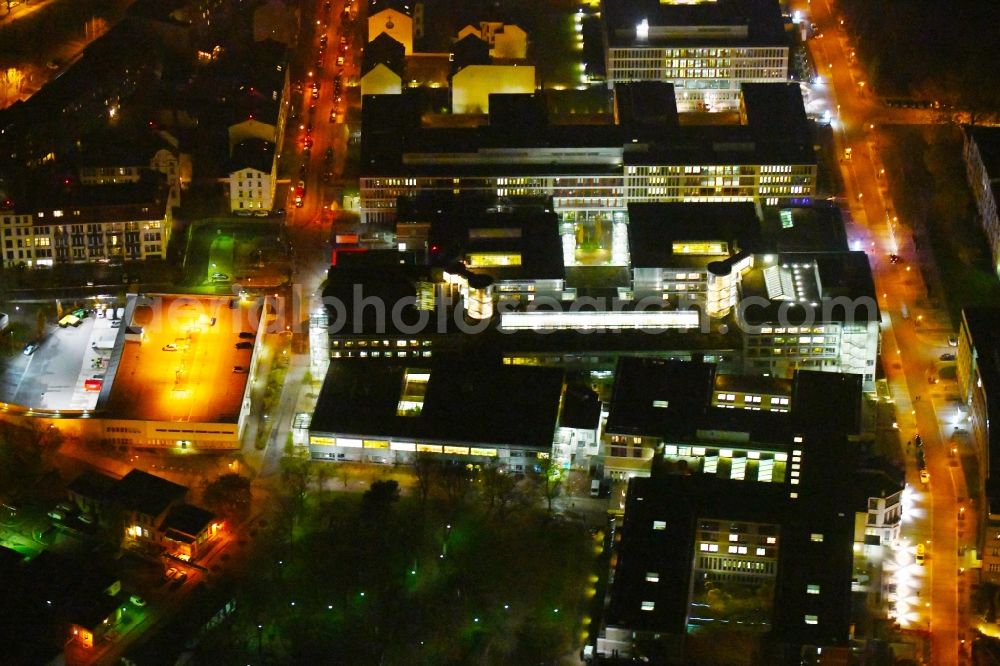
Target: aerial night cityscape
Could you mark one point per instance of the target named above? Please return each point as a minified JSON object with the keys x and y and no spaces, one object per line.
{"x":499,"y":332}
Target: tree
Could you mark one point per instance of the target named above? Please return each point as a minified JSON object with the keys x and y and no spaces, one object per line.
{"x":550,"y":480}
{"x":380,"y":497}
{"x":425,"y":468}
{"x":454,"y":481}
{"x":498,"y":489}
{"x":40,"y":322}
{"x":11,"y":81}
{"x":229,"y":496}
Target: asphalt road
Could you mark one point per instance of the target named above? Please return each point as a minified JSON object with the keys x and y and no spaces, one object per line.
{"x":914,"y":335}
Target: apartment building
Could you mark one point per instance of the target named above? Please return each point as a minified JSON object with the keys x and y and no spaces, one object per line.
{"x":253,"y":176}
{"x":982,"y":168}
{"x":86,"y":224}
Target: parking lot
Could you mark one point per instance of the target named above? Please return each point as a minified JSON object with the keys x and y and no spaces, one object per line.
{"x":55,"y":375}
{"x":252,"y":252}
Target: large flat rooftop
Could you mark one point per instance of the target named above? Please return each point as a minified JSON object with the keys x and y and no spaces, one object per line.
{"x":719,"y":22}
{"x":183,"y":367}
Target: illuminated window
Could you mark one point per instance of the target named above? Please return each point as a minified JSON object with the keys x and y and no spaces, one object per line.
{"x":652,"y":577}
{"x":816,"y":537}
{"x":411,"y":401}
{"x":648,"y":605}
{"x":761,"y":552}
{"x":734,"y":537}
{"x":812,"y":619}
{"x":659,"y":525}
{"x":486,"y":259}
{"x":812,"y":589}
{"x":772,"y":540}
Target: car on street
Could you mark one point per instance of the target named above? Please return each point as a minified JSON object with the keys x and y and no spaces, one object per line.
{"x":340,"y":60}
{"x":179,"y":580}
{"x":56,"y":514}
{"x":219,"y":276}
{"x":925,"y":476}
{"x":952,"y":341}
{"x":239,"y":370}
{"x":921,"y":554}
{"x":333,"y":116}
{"x":85,"y":519}
{"x":244,"y":345}
{"x":30,"y":348}
{"x":895,"y":258}
{"x":947,"y":357}
{"x":245,"y":335}
{"x":169,"y":347}
{"x":137,"y":601}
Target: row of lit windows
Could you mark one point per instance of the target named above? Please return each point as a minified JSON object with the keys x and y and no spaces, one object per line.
{"x":382,"y":343}
{"x":736,"y":52}
{"x":792,"y":329}
{"x":378,"y":354}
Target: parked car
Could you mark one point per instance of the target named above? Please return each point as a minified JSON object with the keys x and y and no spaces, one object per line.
{"x":86,"y":519}
{"x":170,"y":347}
{"x":137,"y":600}
{"x":239,"y":370}
{"x":925,"y":476}
{"x":921,"y":554}
{"x":244,"y":345}
{"x":179,"y":580}
{"x":244,"y":335}
{"x":30,"y":348}
{"x":56,"y":514}
{"x":947,"y":357}
{"x":219,"y":276}
{"x":952,"y":341}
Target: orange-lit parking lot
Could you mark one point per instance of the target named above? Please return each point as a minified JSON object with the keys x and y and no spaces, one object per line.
{"x":190,"y":362}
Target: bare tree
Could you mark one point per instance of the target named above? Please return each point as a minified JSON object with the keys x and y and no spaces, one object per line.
{"x":425,"y":467}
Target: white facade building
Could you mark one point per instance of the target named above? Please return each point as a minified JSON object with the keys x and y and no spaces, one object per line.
{"x":707,"y":50}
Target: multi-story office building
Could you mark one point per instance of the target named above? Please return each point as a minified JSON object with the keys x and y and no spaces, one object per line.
{"x":982,"y":167}
{"x":814,"y":311}
{"x":708,"y":50}
{"x":702,"y":280}
{"x":88,"y":223}
{"x":592,"y":172}
{"x":754,"y":505}
{"x":471,"y":410}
